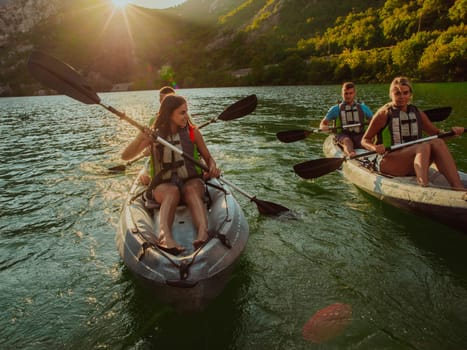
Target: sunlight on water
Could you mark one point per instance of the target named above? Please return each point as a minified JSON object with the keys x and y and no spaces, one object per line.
{"x":64,"y":286}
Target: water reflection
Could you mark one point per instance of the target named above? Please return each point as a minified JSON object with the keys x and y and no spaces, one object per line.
{"x":63,"y":284}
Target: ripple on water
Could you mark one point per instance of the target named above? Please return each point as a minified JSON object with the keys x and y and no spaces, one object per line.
{"x":64,"y":286}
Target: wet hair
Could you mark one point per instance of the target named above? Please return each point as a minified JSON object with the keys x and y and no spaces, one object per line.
{"x":169,"y":104}
{"x":398,"y":82}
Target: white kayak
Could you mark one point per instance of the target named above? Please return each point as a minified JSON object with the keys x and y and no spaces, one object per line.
{"x":190,"y":280}
{"x":437,"y":201}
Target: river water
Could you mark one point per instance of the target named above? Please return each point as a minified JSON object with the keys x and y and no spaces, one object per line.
{"x":63,"y":285}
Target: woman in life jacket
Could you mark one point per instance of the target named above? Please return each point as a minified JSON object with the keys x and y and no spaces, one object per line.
{"x":176,"y":179}
{"x":346,"y":113}
{"x":399,"y":121}
{"x":163,"y":92}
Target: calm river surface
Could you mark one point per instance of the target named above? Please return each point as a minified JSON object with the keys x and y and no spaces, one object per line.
{"x":63,"y":285}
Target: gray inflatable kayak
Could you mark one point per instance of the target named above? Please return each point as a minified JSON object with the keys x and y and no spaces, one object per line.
{"x":187,"y":281}
{"x":437,"y":201}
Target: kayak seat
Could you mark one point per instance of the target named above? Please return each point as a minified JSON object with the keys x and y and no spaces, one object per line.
{"x":151,"y":204}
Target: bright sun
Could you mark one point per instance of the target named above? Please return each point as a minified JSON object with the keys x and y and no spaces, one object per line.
{"x":120,"y":3}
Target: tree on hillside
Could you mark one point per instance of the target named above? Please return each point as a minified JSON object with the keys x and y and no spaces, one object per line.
{"x":356,"y":30}
{"x":433,"y":14}
{"x":399,"y":19}
{"x":407,"y":53}
{"x":293,"y":70}
{"x":458,"y":12}
{"x":446,"y":57}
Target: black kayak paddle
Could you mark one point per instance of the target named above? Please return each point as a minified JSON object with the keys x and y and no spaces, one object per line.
{"x":236,"y":110}
{"x":315,"y":168}
{"x":65,"y":79}
{"x":435,"y":115}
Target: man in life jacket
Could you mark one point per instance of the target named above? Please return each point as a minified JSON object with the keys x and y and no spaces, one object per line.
{"x":348,"y":117}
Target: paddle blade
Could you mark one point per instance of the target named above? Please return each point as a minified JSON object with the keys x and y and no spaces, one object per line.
{"x":292,"y":135}
{"x":61,"y":77}
{"x":117,"y":168}
{"x":438,"y":114}
{"x":314,"y":168}
{"x":240,"y":108}
{"x":269,"y":208}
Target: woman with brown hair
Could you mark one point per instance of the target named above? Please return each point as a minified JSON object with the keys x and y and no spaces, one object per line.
{"x":175,"y":178}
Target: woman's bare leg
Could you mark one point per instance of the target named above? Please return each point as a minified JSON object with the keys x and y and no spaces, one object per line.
{"x":422,"y":162}
{"x":445,"y":163}
{"x":417,"y":158}
{"x":193,"y":194}
{"x":168,"y":195}
{"x":347,"y":146}
{"x":400,"y":162}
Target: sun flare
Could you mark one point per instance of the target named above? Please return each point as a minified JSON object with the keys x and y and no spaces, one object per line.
{"x":120,"y":3}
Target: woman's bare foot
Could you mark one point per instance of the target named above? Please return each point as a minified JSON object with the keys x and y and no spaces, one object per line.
{"x":200,"y":240}
{"x":170,"y":246}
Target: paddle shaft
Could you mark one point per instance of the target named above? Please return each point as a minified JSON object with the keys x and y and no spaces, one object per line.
{"x":175,"y":149}
{"x":122,"y":167}
{"x":141,"y":156}
{"x":213,"y":120}
{"x":336,"y":128}
{"x":435,"y":115}
{"x":236,"y":110}
{"x":159,"y":139}
{"x":406,"y":144}
{"x":201,"y":165}
{"x":263,"y":206}
{"x":65,"y":79}
{"x":123,"y":116}
{"x":299,"y":134}
{"x":315,"y":168}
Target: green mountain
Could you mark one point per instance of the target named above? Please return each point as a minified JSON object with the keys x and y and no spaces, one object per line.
{"x":234,"y":42}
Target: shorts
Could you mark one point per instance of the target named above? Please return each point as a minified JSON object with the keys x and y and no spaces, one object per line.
{"x":356,"y":139}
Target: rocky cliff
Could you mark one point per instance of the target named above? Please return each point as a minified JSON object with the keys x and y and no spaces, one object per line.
{"x":20,"y":16}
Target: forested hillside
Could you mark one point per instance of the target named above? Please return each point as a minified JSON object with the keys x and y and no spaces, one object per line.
{"x":245,"y":42}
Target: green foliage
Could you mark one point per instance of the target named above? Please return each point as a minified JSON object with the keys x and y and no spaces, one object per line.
{"x":446,"y":57}
{"x":458,"y":12}
{"x":407,"y":53}
{"x":269,"y":9}
{"x":355,"y":31}
{"x":414,"y":38}
{"x":293,"y":70}
{"x":321,"y":70}
{"x":200,"y":43}
{"x":399,"y":19}
{"x":223,"y":19}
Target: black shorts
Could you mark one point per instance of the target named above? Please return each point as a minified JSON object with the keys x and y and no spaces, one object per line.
{"x":356,"y":139}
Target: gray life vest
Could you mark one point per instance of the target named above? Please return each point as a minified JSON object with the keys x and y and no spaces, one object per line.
{"x":169,"y":163}
{"x":401,"y":126}
{"x":351,"y":114}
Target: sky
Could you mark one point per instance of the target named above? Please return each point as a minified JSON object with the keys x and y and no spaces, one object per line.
{"x":157,"y":4}
{"x":153,"y":4}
